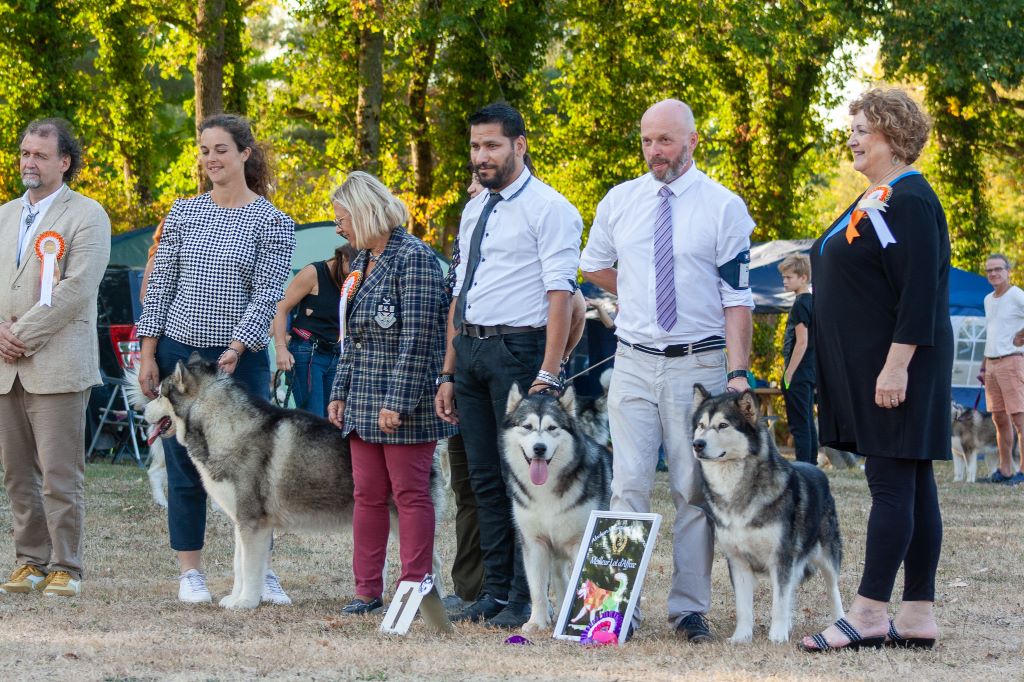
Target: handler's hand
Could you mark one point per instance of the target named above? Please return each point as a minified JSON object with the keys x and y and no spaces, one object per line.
{"x":336,"y":413}
{"x":228,"y":360}
{"x":389,"y":421}
{"x":285,"y":360}
{"x":149,"y":376}
{"x":11,"y":347}
{"x":444,"y":403}
{"x":739,"y":384}
{"x":891,"y":387}
{"x":1018,"y":338}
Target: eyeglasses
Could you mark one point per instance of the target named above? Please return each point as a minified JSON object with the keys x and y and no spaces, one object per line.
{"x":339,"y":221}
{"x":989,"y":271}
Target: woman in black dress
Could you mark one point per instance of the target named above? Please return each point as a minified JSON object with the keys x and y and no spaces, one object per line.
{"x":884,"y":364}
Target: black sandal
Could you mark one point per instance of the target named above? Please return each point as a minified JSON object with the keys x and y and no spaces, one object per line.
{"x":894,"y":640}
{"x":856,"y":642}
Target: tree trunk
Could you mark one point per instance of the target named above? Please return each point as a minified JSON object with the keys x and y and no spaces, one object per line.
{"x":371,"y":91}
{"x":424,"y":55}
{"x":209,"y":74}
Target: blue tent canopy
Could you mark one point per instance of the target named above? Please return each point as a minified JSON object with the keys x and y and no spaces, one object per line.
{"x":967,"y":290}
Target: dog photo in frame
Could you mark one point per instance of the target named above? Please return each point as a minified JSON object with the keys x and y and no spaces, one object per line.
{"x":607,"y":577}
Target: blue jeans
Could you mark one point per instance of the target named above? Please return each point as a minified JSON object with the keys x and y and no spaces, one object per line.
{"x":312,"y":376}
{"x":186,"y":497}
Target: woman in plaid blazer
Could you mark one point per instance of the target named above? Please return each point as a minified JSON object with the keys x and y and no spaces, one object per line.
{"x":383,"y":391}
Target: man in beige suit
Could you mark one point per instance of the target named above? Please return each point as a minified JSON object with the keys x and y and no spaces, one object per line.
{"x":50,"y":358}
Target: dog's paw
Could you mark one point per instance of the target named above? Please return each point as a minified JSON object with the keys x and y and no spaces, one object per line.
{"x":239,"y":602}
{"x":741,"y":637}
{"x":778,"y":635}
{"x":536,"y":626}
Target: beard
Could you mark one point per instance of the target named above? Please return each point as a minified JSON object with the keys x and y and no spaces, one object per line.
{"x":31,"y":182}
{"x":674,"y":168}
{"x":502,"y":173}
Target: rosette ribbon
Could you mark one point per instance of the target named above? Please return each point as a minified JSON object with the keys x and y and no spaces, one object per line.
{"x":348,"y":290}
{"x":872,"y":205}
{"x":604,"y":630}
{"x":50,"y":248}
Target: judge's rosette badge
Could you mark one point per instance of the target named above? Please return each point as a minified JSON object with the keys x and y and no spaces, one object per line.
{"x":50,"y":248}
{"x":348,"y":290}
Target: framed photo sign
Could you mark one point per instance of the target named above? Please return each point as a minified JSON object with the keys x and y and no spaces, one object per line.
{"x":608,"y":576}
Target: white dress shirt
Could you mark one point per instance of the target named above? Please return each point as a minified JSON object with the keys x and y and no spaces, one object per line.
{"x":531,"y":246}
{"x":710,"y":226}
{"x":1004,"y":317}
{"x":25,"y":232}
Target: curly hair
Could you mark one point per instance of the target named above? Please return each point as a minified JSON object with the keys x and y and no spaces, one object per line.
{"x":896,"y":116}
{"x":258,"y":174}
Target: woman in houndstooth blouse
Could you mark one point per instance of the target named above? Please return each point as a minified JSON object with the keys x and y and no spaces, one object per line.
{"x":217,"y":276}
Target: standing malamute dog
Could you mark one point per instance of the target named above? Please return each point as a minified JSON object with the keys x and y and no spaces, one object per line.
{"x":269,"y":468}
{"x":770,"y":516}
{"x":974,"y":433}
{"x":557,"y":476}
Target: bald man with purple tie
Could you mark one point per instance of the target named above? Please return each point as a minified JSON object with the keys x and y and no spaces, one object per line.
{"x":685,"y":320}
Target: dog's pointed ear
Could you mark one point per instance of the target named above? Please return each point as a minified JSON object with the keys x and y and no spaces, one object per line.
{"x":178,"y":376}
{"x":749,"y":407}
{"x":197,"y":364}
{"x":568,"y":401}
{"x":700,"y":394}
{"x":515,"y":396}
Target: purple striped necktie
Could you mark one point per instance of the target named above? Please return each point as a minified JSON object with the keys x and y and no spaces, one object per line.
{"x":664,"y":270}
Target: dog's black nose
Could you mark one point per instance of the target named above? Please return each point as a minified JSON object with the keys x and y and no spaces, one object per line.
{"x":539,"y":449}
{"x":699,"y":445}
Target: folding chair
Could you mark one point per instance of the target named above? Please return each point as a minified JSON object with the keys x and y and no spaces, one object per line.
{"x":123,"y":417}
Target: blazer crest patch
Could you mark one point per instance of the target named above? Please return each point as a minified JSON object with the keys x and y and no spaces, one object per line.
{"x":385,"y":317}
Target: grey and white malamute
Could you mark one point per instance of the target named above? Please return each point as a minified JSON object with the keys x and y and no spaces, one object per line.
{"x":771,"y":516}
{"x":269,"y":468}
{"x":557,"y":476}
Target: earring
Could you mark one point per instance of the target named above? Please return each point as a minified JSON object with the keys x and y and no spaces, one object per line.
{"x":896,"y":161}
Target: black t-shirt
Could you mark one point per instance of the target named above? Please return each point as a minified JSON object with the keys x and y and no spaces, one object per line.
{"x":800,"y":314}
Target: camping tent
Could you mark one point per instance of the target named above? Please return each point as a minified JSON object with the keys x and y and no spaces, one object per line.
{"x":967,"y":292}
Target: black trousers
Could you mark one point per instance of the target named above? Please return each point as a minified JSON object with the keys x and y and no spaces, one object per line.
{"x":904,"y":527}
{"x":799,"y":399}
{"x":468,"y":566}
{"x":484,"y":371}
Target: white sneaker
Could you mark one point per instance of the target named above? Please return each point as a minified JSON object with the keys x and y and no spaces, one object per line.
{"x":273,"y":592}
{"x":192,"y":588}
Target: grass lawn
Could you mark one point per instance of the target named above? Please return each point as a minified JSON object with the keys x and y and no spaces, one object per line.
{"x":128,"y":624}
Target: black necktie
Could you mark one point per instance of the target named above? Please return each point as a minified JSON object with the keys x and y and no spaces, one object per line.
{"x":474,"y":258}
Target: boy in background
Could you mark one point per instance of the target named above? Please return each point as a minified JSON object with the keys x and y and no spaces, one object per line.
{"x":798,"y":356}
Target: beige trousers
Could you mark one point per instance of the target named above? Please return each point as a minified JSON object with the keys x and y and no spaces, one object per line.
{"x":649,"y":405}
{"x":42,"y":447}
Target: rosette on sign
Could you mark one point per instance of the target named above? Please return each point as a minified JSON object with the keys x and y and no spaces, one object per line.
{"x":50,"y":248}
{"x":872,"y":205}
{"x":603,"y":630}
{"x":348,"y":290}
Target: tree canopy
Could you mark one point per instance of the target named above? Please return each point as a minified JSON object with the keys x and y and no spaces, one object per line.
{"x":387,"y":86}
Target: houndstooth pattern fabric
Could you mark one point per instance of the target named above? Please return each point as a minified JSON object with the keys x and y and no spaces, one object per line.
{"x":394,"y":344}
{"x":218,"y":273}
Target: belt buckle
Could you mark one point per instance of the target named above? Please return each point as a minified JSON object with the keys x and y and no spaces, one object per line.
{"x":689,"y":349}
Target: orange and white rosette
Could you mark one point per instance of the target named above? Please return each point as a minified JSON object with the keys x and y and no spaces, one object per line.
{"x":872,"y":205}
{"x":50,"y":248}
{"x":348,"y":290}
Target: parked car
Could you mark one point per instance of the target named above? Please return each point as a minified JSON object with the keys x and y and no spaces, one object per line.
{"x":118,"y":308}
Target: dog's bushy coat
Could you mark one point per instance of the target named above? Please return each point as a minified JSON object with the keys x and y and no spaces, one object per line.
{"x":267,"y":467}
{"x":557,"y":476}
{"x":770,"y":516}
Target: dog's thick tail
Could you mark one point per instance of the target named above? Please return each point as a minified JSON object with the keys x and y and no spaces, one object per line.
{"x":133,"y":388}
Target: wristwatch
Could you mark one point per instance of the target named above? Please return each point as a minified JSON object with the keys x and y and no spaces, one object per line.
{"x":443,"y":379}
{"x":736,"y":374}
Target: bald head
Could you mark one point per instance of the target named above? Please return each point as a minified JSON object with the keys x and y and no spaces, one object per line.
{"x":668,"y":135}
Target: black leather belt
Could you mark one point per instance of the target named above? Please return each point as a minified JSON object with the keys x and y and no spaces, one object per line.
{"x":680,"y":350}
{"x":479,"y":331}
{"x":1008,"y":355}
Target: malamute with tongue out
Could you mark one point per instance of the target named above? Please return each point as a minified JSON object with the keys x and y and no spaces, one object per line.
{"x":557,"y":476}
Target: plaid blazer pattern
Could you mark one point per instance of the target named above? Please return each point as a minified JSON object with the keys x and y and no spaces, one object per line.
{"x":394,"y":344}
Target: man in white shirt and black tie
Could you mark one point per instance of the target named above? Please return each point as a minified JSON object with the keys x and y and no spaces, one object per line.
{"x":674,"y":246}
{"x":509,"y":321}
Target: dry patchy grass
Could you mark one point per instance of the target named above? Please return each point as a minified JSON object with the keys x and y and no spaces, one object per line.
{"x":128,"y":625}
